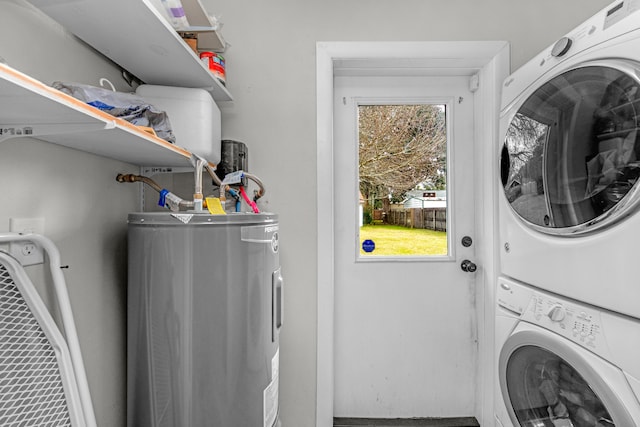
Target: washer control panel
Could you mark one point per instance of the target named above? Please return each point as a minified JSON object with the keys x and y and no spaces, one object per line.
{"x":613,"y":337}
{"x":577,"y":323}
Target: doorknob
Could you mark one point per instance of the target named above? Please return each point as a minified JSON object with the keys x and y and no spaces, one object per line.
{"x":468,"y":266}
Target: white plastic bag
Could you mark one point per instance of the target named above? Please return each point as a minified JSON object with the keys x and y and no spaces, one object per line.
{"x":127,"y":106}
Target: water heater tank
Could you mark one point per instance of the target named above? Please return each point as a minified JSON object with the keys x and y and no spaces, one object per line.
{"x":204,"y":315}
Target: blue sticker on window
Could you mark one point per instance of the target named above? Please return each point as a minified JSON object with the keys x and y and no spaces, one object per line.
{"x":368,"y":245}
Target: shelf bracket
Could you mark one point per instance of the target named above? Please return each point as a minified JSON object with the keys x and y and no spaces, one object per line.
{"x":11,"y":130}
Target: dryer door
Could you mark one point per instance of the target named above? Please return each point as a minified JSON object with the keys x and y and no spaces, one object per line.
{"x":570,"y":155}
{"x":547,"y":381}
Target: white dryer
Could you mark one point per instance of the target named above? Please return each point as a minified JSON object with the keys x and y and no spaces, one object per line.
{"x":562,"y":363}
{"x":570,"y":164}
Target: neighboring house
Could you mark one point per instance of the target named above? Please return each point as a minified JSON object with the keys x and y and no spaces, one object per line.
{"x":425,"y":199}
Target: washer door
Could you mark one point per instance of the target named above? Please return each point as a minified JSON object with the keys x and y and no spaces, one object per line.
{"x":547,"y":381}
{"x":570,"y":156}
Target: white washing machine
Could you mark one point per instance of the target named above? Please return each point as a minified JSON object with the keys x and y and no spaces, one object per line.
{"x":563,"y":363}
{"x":570,"y":163}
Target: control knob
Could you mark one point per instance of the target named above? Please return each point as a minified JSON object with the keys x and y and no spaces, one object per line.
{"x":561,"y":47}
{"x":556,"y":313}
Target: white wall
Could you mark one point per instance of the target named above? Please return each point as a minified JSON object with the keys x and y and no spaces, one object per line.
{"x":271,"y":74}
{"x":76,"y":193}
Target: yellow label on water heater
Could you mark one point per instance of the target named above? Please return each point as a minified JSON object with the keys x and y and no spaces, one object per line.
{"x":214,"y":206}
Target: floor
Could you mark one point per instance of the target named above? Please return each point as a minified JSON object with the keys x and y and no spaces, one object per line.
{"x":416,"y":422}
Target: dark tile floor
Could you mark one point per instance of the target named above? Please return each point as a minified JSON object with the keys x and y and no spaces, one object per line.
{"x":416,"y":422}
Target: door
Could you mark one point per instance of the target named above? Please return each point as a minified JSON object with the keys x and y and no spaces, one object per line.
{"x":405,"y":336}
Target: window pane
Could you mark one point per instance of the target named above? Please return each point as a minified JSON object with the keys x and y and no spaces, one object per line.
{"x":402,"y":161}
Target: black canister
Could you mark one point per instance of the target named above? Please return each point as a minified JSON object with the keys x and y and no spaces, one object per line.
{"x":234,"y":157}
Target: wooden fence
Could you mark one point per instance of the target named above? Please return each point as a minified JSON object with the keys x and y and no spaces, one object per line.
{"x":429,"y":218}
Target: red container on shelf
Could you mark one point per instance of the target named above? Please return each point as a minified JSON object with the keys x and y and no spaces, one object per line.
{"x":215,"y":63}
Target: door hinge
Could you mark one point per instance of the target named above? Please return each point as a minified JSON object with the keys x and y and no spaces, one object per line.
{"x":474,"y":83}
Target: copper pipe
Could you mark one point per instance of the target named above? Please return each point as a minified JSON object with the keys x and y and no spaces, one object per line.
{"x":138,"y":178}
{"x":151,"y":183}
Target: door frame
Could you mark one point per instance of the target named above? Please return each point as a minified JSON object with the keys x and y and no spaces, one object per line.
{"x":489,"y":62}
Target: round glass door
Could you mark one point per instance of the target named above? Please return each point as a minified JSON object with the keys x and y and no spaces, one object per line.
{"x":570,"y":159}
{"x":547,"y":391}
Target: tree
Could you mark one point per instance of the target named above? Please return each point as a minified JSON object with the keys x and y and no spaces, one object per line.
{"x":400,"y":147}
{"x":525,"y":147}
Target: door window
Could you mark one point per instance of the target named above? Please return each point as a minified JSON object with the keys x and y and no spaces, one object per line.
{"x":570,"y":159}
{"x":547,"y":391}
{"x":402,"y":179}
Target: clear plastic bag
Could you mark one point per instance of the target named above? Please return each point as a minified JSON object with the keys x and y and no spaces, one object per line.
{"x":127,"y":106}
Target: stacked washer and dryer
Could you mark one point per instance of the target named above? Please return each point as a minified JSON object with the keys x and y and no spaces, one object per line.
{"x":568,"y":299}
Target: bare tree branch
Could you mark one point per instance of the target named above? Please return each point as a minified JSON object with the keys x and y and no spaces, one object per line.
{"x":401,"y":146}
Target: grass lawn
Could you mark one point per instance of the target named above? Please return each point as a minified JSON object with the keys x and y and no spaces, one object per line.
{"x":397,"y":240}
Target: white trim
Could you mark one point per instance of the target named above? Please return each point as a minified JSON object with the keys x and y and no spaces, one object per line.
{"x":324,"y":351}
{"x":491,"y":58}
{"x":487,"y":129}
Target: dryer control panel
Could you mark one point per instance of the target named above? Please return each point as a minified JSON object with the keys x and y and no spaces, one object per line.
{"x":618,"y":12}
{"x":609,"y":26}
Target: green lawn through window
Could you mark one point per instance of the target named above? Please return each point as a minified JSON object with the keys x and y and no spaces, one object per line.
{"x":393,"y":240}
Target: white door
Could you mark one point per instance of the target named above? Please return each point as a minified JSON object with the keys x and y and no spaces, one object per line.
{"x":405,"y":334}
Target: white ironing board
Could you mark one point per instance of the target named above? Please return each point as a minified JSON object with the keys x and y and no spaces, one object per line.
{"x":42,"y":377}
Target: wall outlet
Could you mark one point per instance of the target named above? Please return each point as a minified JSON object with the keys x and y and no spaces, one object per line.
{"x":27,"y":253}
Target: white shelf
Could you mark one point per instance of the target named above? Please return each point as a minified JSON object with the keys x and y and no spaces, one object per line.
{"x":28,"y":107}
{"x":134,"y":35}
{"x":210,"y":40}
